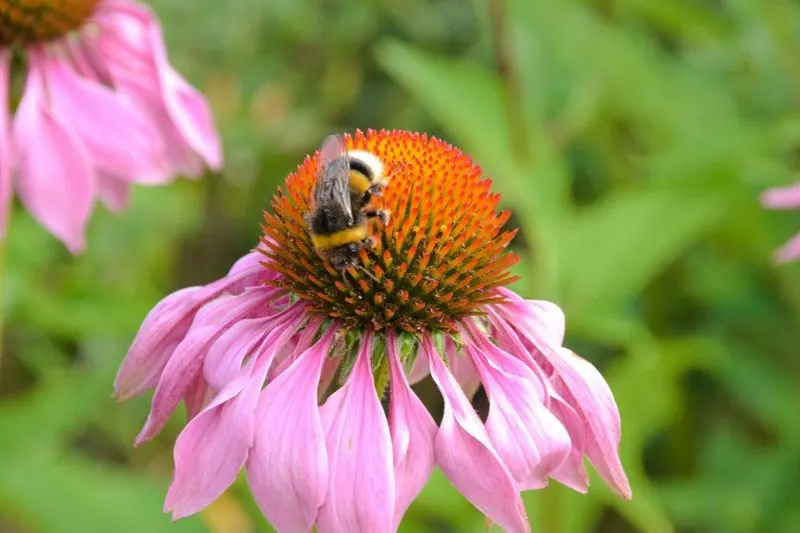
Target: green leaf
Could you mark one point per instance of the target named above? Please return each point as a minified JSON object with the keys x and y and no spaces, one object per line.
{"x":766,"y":391}
{"x":67,"y":493}
{"x":468,"y":103}
{"x":465,"y":99}
{"x":41,"y":417}
{"x":646,"y":386}
{"x":616,"y":246}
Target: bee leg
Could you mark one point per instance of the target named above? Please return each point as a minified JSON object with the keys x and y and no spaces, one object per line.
{"x":377,"y":186}
{"x":382,"y":214}
{"x":346,"y":280}
{"x":375,"y":189}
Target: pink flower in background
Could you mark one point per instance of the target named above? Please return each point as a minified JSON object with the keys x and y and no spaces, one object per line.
{"x":785,"y":198}
{"x":283,"y":365}
{"x":102,"y":108}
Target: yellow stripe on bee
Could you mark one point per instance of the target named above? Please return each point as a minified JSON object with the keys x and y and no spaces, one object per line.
{"x":345,"y":236}
{"x":359,"y":182}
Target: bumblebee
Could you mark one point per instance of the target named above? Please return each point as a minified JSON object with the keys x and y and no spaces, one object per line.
{"x":346,"y":182}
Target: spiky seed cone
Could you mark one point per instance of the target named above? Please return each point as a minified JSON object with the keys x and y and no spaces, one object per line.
{"x":438,"y":258}
{"x":28,"y":22}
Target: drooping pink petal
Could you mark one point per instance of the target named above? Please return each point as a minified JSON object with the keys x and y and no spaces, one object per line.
{"x":5,"y":142}
{"x":288,"y":465}
{"x":167,"y":323}
{"x":789,"y":251}
{"x":189,"y":111}
{"x":329,"y":372}
{"x":582,"y":387}
{"x":508,"y":339}
{"x":298,"y":344}
{"x":55,"y":177}
{"x":162,"y":330}
{"x":466,"y":455}
{"x":547,"y":317}
{"x":413,"y":433}
{"x":591,"y":397}
{"x":419,"y":368}
{"x":361,"y":489}
{"x":782,"y":197}
{"x":133,"y":47}
{"x":463,"y":369}
{"x":213,"y":447}
{"x":186,"y":361}
{"x":113,"y":192}
{"x":572,"y":471}
{"x":119,"y":141}
{"x":226,"y":355}
{"x":531,"y":441}
{"x":196,"y":398}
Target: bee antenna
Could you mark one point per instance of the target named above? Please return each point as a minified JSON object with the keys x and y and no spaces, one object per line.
{"x":367,"y":272}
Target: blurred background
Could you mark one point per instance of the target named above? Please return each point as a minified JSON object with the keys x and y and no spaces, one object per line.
{"x":632,"y":139}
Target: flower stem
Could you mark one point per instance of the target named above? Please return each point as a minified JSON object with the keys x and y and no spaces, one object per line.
{"x":512,"y":84}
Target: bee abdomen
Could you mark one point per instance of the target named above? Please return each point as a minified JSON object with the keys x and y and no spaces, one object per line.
{"x":326,"y":241}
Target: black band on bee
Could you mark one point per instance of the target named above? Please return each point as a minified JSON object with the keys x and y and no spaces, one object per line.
{"x":362,"y":168}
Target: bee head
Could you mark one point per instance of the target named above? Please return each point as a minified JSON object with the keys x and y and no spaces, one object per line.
{"x":344,"y":256}
{"x":367,"y":164}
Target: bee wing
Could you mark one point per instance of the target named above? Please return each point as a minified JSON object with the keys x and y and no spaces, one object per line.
{"x":333,"y":178}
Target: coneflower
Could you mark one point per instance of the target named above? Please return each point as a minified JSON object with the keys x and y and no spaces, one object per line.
{"x":787,"y":197}
{"x":102,"y":108}
{"x":284,"y":363}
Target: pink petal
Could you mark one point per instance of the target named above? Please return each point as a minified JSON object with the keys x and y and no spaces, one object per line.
{"x":118,"y":140}
{"x":782,"y":197}
{"x":527,"y":436}
{"x":789,"y":251}
{"x":197,"y":397}
{"x":167,"y":324}
{"x":133,"y":47}
{"x":55,"y":179}
{"x":572,"y":472}
{"x":227,"y":354}
{"x":591,"y":397}
{"x":162,"y":330}
{"x":288,"y":466}
{"x":466,"y":456}
{"x":213,"y":447}
{"x":413,"y":432}
{"x":190,"y":114}
{"x":361,"y":490}
{"x":583,"y":388}
{"x":186,"y":362}
{"x":113,"y":192}
{"x":5,"y":142}
{"x":330,"y":370}
{"x":419,"y":368}
{"x":293,"y":348}
{"x":463,"y":369}
{"x":547,"y":317}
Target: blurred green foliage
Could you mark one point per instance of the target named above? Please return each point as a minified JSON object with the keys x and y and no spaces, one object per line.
{"x":630,"y":137}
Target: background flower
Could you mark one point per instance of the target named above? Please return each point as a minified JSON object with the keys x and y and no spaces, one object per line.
{"x":102,"y":108}
{"x":784,"y":198}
